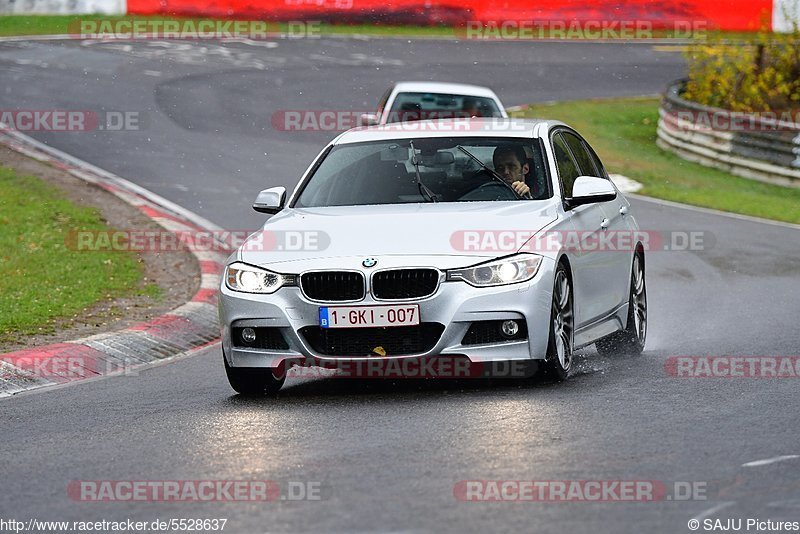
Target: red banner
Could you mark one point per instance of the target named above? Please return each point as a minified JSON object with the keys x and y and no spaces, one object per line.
{"x":738,"y":15}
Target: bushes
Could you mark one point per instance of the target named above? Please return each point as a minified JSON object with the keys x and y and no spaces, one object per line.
{"x":760,"y":74}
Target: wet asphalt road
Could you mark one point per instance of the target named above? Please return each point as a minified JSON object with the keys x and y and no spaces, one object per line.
{"x":386,"y":455}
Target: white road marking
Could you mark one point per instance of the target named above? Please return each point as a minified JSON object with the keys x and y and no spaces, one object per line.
{"x":713,"y":510}
{"x":190,"y":53}
{"x":210,"y":281}
{"x":759,"y":463}
{"x":328,"y":59}
{"x":250,"y":42}
{"x":793,"y":504}
{"x":357,"y":60}
{"x":377,"y":60}
{"x":35,"y":63}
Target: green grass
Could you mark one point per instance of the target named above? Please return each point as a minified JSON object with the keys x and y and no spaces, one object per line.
{"x":11,"y":25}
{"x":623,"y":132}
{"x":43,"y":24}
{"x":42,"y":281}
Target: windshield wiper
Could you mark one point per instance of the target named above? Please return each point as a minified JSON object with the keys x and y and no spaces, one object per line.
{"x":423,"y":189}
{"x":492,"y":172}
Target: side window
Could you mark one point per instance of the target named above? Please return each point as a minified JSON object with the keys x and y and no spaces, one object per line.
{"x":585,"y":162}
{"x":567,"y":170}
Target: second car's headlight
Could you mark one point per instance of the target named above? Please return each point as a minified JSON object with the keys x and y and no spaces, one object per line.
{"x":511,"y":270}
{"x":251,"y":279}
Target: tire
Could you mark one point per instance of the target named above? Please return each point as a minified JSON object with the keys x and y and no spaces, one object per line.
{"x":558,"y":360}
{"x":254,"y":381}
{"x":631,"y":340}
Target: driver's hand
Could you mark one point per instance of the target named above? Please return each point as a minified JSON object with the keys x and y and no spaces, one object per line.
{"x":522,"y":189}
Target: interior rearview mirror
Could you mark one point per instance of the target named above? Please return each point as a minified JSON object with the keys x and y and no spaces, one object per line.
{"x":368,"y":119}
{"x":590,"y":189}
{"x":270,"y":200}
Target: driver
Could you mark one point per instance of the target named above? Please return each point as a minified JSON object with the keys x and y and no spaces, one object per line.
{"x":470,"y":108}
{"x":512,"y":165}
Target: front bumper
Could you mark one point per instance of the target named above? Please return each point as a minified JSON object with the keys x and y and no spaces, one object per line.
{"x":456,"y":305}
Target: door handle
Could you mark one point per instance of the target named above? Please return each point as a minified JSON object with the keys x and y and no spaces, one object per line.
{"x":623,"y":211}
{"x":604,"y":223}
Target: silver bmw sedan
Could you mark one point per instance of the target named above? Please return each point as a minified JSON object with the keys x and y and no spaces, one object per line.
{"x":483,"y":241}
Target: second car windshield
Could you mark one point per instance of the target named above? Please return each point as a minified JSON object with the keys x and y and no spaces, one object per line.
{"x":385,"y":172}
{"x":422,"y":106}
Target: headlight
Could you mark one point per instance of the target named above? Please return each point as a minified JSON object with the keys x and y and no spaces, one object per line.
{"x":511,"y":270}
{"x":250,"y":279}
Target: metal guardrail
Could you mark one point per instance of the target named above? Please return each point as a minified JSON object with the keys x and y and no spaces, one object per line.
{"x":745,"y":145}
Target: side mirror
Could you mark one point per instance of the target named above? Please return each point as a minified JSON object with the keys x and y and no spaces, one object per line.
{"x":590,"y":189}
{"x":270,"y":200}
{"x":368,"y":119}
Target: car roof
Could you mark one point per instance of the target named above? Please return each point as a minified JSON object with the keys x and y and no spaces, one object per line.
{"x":443,"y":87}
{"x":475,"y":127}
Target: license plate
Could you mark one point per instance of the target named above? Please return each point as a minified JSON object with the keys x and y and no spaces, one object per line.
{"x":366,"y":316}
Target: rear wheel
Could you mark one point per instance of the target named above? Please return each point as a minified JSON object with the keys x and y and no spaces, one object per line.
{"x":558,"y":361}
{"x":632,"y":339}
{"x":254,"y":381}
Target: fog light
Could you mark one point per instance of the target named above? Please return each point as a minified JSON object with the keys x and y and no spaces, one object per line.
{"x":248,"y":335}
{"x":510,"y":328}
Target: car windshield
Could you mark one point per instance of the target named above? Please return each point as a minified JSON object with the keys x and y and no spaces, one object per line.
{"x":421,"y":106}
{"x":384,"y":172}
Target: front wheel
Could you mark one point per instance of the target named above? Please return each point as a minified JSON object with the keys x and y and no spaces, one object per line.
{"x":558,"y":361}
{"x":254,"y":381}
{"x":632,"y":339}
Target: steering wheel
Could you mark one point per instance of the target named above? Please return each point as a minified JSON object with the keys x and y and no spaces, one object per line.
{"x":490,"y":191}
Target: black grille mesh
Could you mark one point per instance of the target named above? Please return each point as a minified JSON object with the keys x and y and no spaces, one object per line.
{"x":404,"y":283}
{"x":333,"y":285}
{"x":395,"y":341}
{"x":481,"y":332}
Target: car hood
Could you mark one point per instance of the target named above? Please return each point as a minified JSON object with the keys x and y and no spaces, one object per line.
{"x":307,"y":235}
